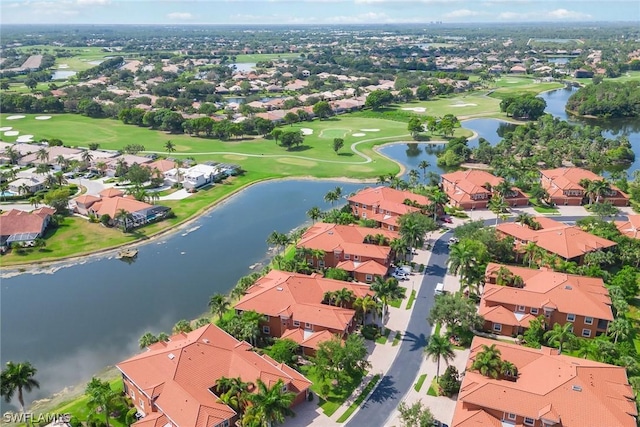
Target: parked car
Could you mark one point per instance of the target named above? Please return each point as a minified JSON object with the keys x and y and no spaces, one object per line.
{"x":453,"y":241}
{"x":437,"y":423}
{"x":400,"y":274}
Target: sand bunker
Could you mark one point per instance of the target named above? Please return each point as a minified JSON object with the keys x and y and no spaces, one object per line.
{"x":358,"y":134}
{"x":25,"y":138}
{"x":6,"y":128}
{"x":464,"y":105}
{"x":11,"y":133}
{"x":15,"y":117}
{"x":43,"y":117}
{"x":306,"y":131}
{"x":416,"y":109}
{"x":370,"y":130}
{"x":61,"y":66}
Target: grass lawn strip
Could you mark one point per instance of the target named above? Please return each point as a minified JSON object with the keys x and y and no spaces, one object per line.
{"x":418,"y":385}
{"x":412,"y":298}
{"x":382,"y":339}
{"x":396,"y":303}
{"x":365,"y":393}
{"x":433,"y":388}
{"x":397,"y":339}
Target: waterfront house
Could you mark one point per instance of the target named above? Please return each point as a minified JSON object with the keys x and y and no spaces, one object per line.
{"x":569,"y":242}
{"x":20,"y":226}
{"x":565,"y":188}
{"x":546,"y":390}
{"x":472,"y":189}
{"x":173,"y":383}
{"x":111,"y":202}
{"x":298,"y":301}
{"x":630,"y":227}
{"x":513,"y":296}
{"x":350,"y":247}
{"x":384,"y":205}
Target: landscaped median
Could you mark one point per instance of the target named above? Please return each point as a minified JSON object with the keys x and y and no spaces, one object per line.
{"x":356,"y":404}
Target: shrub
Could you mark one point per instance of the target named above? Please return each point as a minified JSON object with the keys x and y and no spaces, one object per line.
{"x":449,"y":382}
{"x":421,"y":268}
{"x":370,"y":332}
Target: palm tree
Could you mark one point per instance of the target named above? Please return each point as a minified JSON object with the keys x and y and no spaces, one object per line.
{"x":43,"y":155}
{"x":532,"y":253}
{"x":343,"y":296}
{"x":439,"y":347}
{"x":34,"y":201}
{"x":329,"y":297}
{"x":270,"y":405}
{"x":42,"y":169}
{"x":588,"y":349}
{"x":331,"y":197}
{"x":12,"y":154}
{"x":508,"y":369}
{"x":147,"y":339}
{"x":62,"y":162}
{"x":60,"y":179}
{"x":124,"y":217}
{"x":599,"y":188}
{"x":234,"y":392}
{"x":24,"y":189}
{"x":169,"y":146}
{"x":18,"y":377}
{"x":400,"y":248}
{"x":278,"y":239}
{"x":87,"y":157}
{"x":466,"y":258}
{"x":182,"y":326}
{"x":559,"y":335}
{"x":218,"y":303}
{"x":498,"y":205}
{"x":424,"y":165}
{"x":414,"y":176}
{"x":620,"y":328}
{"x":386,"y":290}
{"x":364,"y":305}
{"x":439,"y":199}
{"x":488,"y":361}
{"x":102,"y":167}
{"x":314,"y":214}
{"x":102,"y":398}
{"x":338,"y":191}
{"x":524,"y":219}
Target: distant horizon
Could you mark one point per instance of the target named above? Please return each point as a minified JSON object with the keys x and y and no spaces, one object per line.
{"x":314,"y":12}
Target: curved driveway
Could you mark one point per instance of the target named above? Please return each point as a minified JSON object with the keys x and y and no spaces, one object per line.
{"x":384,"y":400}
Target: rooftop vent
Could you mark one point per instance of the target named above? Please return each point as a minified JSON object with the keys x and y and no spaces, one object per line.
{"x":171,"y":356}
{"x":576,"y":388}
{"x":568,"y":287}
{"x":279,"y":289}
{"x":205,"y":340}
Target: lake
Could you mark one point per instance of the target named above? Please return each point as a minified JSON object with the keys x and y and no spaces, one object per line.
{"x":243,"y":67}
{"x":62,"y":74}
{"x":72,"y":322}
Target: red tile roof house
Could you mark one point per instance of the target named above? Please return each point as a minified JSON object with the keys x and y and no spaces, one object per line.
{"x":559,"y":297}
{"x":384,"y":205}
{"x":551,"y":390}
{"x":293,"y":301}
{"x":344,"y":247}
{"x":20,"y":226}
{"x":563,"y":186}
{"x":567,"y":241}
{"x":469,"y":190}
{"x":173,"y":383}
{"x":630,"y":227}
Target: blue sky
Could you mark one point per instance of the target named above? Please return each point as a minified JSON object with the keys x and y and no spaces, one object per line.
{"x":313,"y":11}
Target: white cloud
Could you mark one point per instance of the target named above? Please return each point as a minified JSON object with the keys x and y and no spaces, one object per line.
{"x":180,"y":16}
{"x":462,"y":13}
{"x":554,"y":15}
{"x":93,"y":2}
{"x":567,"y":14}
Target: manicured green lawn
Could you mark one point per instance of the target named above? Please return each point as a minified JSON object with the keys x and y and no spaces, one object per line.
{"x":520,"y":85}
{"x":344,"y":417}
{"x":546,"y":210}
{"x":395,"y":303}
{"x":472,"y":104}
{"x":382,"y":339}
{"x":397,"y":339}
{"x":337,"y":394}
{"x":418,"y":385}
{"x":412,"y":298}
{"x":433,"y":388}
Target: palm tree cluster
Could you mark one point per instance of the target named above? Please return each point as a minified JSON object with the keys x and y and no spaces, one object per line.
{"x":339,"y":298}
{"x":386,"y":290}
{"x":333,"y":195}
{"x":468,"y":258}
{"x":490,"y":364}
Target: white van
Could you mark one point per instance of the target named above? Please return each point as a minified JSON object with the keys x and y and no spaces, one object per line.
{"x":439,"y":289}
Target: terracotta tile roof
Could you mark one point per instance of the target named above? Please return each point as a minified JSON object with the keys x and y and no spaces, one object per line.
{"x":308,"y":340}
{"x":368,"y":267}
{"x":578,"y":392}
{"x":562,"y":179}
{"x":568,"y":293}
{"x":112,"y":205}
{"x":162,"y":165}
{"x":346,"y":238}
{"x":556,"y":237}
{"x":630,"y":227}
{"x":111,"y":192}
{"x":389,"y":199}
{"x":299,"y":297}
{"x":87,"y":199}
{"x":179,"y":373}
{"x":472,"y":181}
{"x":154,"y":419}
{"x":16,"y":222}
{"x":502,"y":315}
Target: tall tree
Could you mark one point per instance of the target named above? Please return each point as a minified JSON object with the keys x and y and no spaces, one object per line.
{"x":386,"y":290}
{"x":439,"y":347}
{"x":270,"y":405}
{"x":218,"y":303}
{"x":424,"y":165}
{"x":488,"y":361}
{"x":560,"y":335}
{"x":102,"y":398}
{"x":18,"y":377}
{"x":314,"y":214}
{"x":414,"y":226}
{"x":169,"y":146}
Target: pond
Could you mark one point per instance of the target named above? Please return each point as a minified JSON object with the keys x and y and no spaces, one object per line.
{"x":243,"y":67}
{"x":62,"y":74}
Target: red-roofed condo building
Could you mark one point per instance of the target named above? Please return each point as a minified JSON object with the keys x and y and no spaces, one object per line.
{"x":550,"y":390}
{"x":173,"y":383}
{"x":564,"y":188}
{"x":559,"y":297}
{"x":472,"y":189}
{"x":347,"y":247}
{"x":384,"y":205}
{"x":297,"y":301}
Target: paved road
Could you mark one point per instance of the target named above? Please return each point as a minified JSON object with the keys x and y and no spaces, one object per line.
{"x":382,"y":403}
{"x":400,"y":377}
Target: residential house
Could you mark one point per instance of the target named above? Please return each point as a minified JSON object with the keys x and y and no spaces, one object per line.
{"x":111,"y":203}
{"x":194,"y":177}
{"x":566,"y":241}
{"x":84,"y":202}
{"x":162,"y":165}
{"x":53,"y":154}
{"x":564,"y":188}
{"x":348,"y":247}
{"x":472,"y":189}
{"x":549,"y":390}
{"x":173,"y":383}
{"x":297,"y":301}
{"x":33,"y":183}
{"x":20,"y":226}
{"x":385,"y":205}
{"x":128,"y":159}
{"x":630,"y":227}
{"x":559,"y":297}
